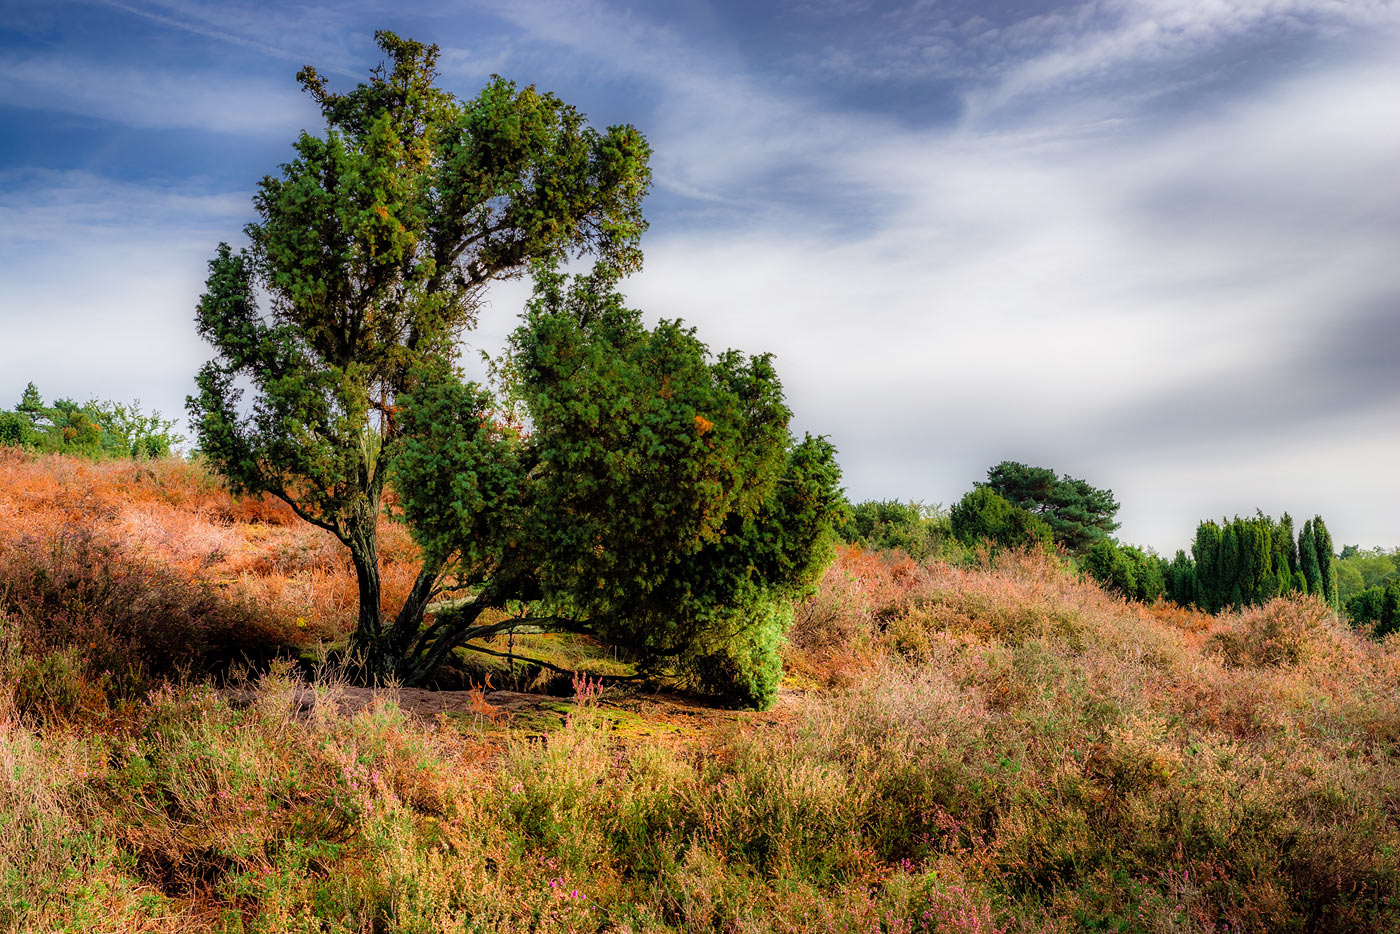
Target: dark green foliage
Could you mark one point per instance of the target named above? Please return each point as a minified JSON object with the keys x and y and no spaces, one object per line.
{"x":1228,"y":562}
{"x":1205,"y":549}
{"x":1126,"y":570}
{"x":985,"y":516}
{"x":1377,"y":607}
{"x":1365,"y":607}
{"x":885,"y":525}
{"x":1389,"y":620}
{"x":1308,"y":558}
{"x":1179,"y":579}
{"x":1286,"y":548}
{"x":658,"y":501}
{"x":17,"y":431}
{"x":1152,"y":583}
{"x":372,"y":248}
{"x":93,"y":429}
{"x":1326,"y":562}
{"x":1245,"y":562}
{"x":1108,"y":565}
{"x":1078,"y":514}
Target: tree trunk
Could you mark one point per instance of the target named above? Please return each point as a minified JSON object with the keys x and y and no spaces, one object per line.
{"x":360,"y":533}
{"x":410,"y":617}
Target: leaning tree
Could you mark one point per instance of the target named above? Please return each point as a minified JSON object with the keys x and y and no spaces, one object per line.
{"x":594,"y":512}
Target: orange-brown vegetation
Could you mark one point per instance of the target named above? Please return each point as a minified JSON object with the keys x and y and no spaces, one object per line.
{"x":990,"y":746}
{"x":176,"y":516}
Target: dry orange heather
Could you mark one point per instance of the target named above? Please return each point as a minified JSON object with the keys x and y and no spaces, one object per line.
{"x":177,"y":515}
{"x":990,"y":745}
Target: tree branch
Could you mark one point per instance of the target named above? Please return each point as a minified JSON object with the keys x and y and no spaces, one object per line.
{"x":455,"y":628}
{"x":547,"y":665}
{"x":281,"y":494}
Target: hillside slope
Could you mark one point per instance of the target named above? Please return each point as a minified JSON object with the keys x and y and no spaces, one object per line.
{"x":995,"y":748}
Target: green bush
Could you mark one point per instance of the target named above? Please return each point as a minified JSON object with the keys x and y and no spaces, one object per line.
{"x":985,"y":516}
{"x":741,"y":667}
{"x":1126,"y":570}
{"x":1378,"y":607}
{"x":885,"y":525}
{"x":17,"y":431}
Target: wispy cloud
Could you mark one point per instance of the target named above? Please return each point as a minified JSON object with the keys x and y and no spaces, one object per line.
{"x":139,"y":96}
{"x":1080,"y":293}
{"x":299,"y":33}
{"x":1099,"y":40}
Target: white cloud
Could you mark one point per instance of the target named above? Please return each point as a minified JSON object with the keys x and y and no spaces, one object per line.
{"x":1100,"y":38}
{"x":101,"y":283}
{"x":1038,"y":295}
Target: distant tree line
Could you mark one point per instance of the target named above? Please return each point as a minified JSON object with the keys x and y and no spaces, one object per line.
{"x":1361,"y":569}
{"x":1232,"y":563}
{"x":1018,"y":506}
{"x":92,"y":429}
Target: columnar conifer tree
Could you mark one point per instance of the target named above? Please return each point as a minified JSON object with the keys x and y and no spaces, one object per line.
{"x":1206,"y":550}
{"x":1307,"y":558}
{"x":1229,"y":565}
{"x":1249,"y":561}
{"x":1326,"y":567}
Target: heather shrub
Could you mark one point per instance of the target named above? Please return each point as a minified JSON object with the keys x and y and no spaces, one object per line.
{"x":835,"y":628}
{"x":997,"y":746}
{"x":1280,"y":633}
{"x":85,"y":615}
{"x":57,"y":870}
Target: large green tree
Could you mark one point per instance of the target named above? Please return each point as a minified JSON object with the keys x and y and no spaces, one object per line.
{"x":1078,"y":514}
{"x":634,"y":455}
{"x":371,"y":250}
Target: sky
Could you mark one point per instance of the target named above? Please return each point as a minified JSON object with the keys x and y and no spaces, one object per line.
{"x":1153,"y":244}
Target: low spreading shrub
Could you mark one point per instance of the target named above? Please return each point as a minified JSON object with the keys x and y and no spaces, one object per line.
{"x":1280,"y":633}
